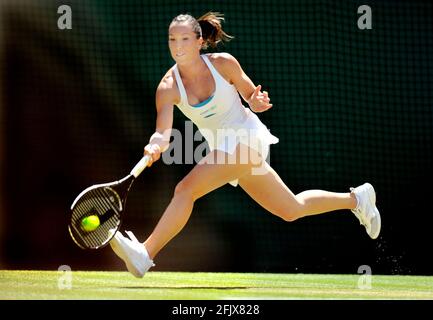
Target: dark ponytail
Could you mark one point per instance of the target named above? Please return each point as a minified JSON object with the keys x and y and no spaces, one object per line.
{"x":207,"y":26}
{"x":212,"y":31}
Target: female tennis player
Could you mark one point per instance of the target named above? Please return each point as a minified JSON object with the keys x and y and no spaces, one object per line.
{"x":206,"y":88}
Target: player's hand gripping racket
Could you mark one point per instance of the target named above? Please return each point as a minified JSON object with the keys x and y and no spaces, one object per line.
{"x":106,"y":201}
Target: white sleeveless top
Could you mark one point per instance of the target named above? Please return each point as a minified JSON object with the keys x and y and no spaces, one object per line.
{"x":224,"y":106}
{"x":222,"y":119}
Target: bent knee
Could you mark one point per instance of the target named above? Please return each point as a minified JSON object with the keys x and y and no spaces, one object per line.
{"x":289,"y":217}
{"x":184,"y":190}
{"x":289,"y":214}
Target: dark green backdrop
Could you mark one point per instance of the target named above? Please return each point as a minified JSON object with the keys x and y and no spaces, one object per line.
{"x":350,"y":106}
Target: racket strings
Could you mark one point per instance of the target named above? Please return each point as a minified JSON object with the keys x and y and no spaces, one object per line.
{"x":104,"y":202}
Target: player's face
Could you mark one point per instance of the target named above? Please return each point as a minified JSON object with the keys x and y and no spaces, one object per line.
{"x":183,"y":43}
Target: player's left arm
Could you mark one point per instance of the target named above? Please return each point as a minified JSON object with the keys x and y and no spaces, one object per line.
{"x":257,"y":100}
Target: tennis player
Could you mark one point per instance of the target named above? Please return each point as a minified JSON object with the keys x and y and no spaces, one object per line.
{"x":206,"y":88}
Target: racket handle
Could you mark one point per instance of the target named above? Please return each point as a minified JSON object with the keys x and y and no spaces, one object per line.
{"x":140,"y":166}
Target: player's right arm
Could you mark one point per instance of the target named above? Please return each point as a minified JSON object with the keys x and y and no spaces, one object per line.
{"x":166,"y":97}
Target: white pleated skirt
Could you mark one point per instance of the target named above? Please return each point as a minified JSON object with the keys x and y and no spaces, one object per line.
{"x":249,"y":131}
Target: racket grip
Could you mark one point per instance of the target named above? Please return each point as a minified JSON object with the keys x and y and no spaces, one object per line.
{"x":140,"y":166}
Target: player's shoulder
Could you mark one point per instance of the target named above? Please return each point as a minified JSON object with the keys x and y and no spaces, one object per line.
{"x":167,"y":87}
{"x":226,"y":65}
{"x":168,"y":81}
{"x":222,"y":59}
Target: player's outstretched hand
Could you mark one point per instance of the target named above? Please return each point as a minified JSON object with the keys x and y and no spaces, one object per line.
{"x":259,"y":100}
{"x":154,"y":151}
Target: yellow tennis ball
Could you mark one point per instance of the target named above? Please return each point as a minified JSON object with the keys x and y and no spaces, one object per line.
{"x":90,"y":223}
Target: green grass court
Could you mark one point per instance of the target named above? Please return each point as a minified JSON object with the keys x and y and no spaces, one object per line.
{"x":216,"y":286}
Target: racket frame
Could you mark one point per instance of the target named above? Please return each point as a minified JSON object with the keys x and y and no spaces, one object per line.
{"x":122,"y":194}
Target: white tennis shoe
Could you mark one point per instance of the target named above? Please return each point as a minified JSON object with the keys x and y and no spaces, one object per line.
{"x":366,"y":210}
{"x":132,"y":252}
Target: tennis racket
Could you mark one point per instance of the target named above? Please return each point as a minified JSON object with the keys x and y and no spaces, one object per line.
{"x":107,"y":201}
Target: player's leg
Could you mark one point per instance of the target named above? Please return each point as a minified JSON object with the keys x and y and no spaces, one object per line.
{"x":206,"y":176}
{"x":272,"y":193}
{"x":202,"y":179}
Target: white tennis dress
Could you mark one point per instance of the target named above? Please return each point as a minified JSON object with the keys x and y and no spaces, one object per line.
{"x":222,"y":119}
